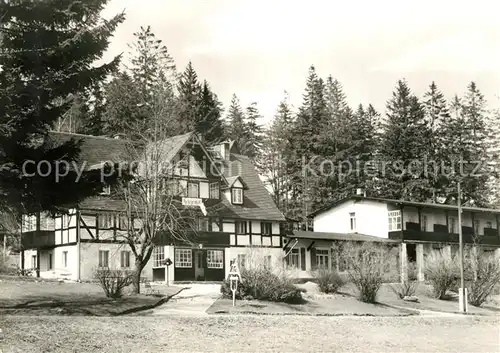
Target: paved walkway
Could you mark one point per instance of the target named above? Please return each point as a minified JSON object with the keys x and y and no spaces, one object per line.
{"x":193,"y":301}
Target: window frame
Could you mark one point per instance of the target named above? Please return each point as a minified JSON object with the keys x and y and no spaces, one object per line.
{"x":352,"y":221}
{"x":33,"y":261}
{"x":394,"y":220}
{"x":102,"y":263}
{"x":125,"y":260}
{"x":236,"y":227}
{"x":292,"y":255}
{"x":158,"y":256}
{"x":263,"y":225}
{"x":65,"y":259}
{"x":323,"y":254}
{"x":212,"y":191}
{"x":182,"y":259}
{"x":233,"y":198}
{"x":216,"y":261}
{"x":191,"y":183}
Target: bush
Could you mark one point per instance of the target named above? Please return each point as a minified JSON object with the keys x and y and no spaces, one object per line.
{"x":442,"y":272}
{"x":263,"y":284}
{"x":366,"y":265}
{"x":113,"y":281}
{"x":482,"y":273}
{"x":329,"y":281}
{"x":408,"y":287}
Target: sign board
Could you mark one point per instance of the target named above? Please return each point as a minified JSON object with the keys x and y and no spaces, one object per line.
{"x":193,"y":201}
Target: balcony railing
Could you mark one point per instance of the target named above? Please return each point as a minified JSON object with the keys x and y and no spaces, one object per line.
{"x":440,"y":234}
{"x":38,"y":239}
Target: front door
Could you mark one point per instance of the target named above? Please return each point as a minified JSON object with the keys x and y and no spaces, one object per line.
{"x":199,"y":265}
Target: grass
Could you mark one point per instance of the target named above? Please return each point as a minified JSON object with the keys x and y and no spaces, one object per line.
{"x":248,"y":333}
{"x":32,"y":297}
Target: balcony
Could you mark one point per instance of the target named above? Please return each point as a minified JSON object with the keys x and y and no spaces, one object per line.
{"x":205,"y":238}
{"x":440,"y":234}
{"x":38,"y":239}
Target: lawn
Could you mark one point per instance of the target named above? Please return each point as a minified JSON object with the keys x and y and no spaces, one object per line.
{"x":32,"y":297}
{"x":249,"y":333}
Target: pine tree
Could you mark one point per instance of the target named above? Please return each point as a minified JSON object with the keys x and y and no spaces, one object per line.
{"x":254,"y":132}
{"x":236,"y":128}
{"x":404,"y":147}
{"x":209,"y":121}
{"x":48,"y":53}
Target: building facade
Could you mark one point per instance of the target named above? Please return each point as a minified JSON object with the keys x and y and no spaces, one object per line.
{"x":234,"y":213}
{"x":412,"y":229}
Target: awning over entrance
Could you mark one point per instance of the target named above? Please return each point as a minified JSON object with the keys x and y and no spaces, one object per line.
{"x":300,"y":234}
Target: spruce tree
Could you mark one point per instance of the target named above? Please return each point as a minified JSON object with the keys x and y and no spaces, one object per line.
{"x":189,"y":99}
{"x":404,"y":147}
{"x":48,"y":53}
{"x":209,"y":122}
{"x":253,"y":132}
{"x":236,"y":128}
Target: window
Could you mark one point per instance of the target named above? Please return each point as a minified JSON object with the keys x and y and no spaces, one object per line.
{"x":214,"y":191}
{"x":29,"y":223}
{"x":322,"y":256}
{"x":125,"y":259}
{"x":242,"y":260}
{"x":193,"y":190}
{"x":476,"y":226}
{"x":103,"y":258}
{"x":33,"y":261}
{"x":424,"y":223}
{"x":202,"y":224}
{"x":352,"y":217}
{"x":215,"y":259}
{"x":65,"y":259}
{"x":106,"y":221}
{"x":50,"y":262}
{"x":453,"y":225}
{"x":267,"y":262}
{"x":237,"y":196}
{"x":394,"y":221}
{"x":106,"y":190}
{"x":293,"y":258}
{"x":266,"y":228}
{"x":183,"y":258}
{"x":123,"y":222}
{"x":240,"y":227}
{"x":158,"y":256}
{"x":489,"y":224}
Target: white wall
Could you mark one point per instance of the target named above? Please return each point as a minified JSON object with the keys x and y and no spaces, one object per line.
{"x":371,"y":218}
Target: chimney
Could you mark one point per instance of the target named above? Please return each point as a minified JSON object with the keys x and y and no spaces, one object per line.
{"x":227,"y":153}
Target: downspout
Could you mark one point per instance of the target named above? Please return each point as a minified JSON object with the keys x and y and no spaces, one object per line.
{"x":78,"y":245}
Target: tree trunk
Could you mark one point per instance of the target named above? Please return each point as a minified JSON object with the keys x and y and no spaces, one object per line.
{"x":137,"y":276}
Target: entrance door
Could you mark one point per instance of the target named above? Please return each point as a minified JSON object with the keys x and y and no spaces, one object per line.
{"x":214,"y":270}
{"x":199,"y":265}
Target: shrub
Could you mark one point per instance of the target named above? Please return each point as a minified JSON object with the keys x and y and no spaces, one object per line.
{"x":113,"y":281}
{"x":25,"y":271}
{"x":263,"y":284}
{"x":408,"y":287}
{"x":482,"y":273}
{"x":329,"y":281}
{"x":442,"y":272}
{"x":366,"y":265}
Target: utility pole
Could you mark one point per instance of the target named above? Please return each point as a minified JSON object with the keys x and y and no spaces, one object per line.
{"x":462,"y":295}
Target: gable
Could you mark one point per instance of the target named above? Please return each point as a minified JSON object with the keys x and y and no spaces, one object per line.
{"x":237,"y":184}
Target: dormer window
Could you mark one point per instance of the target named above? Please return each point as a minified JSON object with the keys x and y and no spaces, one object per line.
{"x":237,"y":196}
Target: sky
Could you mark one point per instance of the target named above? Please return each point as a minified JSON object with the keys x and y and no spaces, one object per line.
{"x":260,"y":49}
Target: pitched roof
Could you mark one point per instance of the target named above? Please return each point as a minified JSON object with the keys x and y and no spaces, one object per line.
{"x":95,"y":149}
{"x":232,"y":179}
{"x":403,"y":203}
{"x":257,"y":202}
{"x":339,"y":236}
